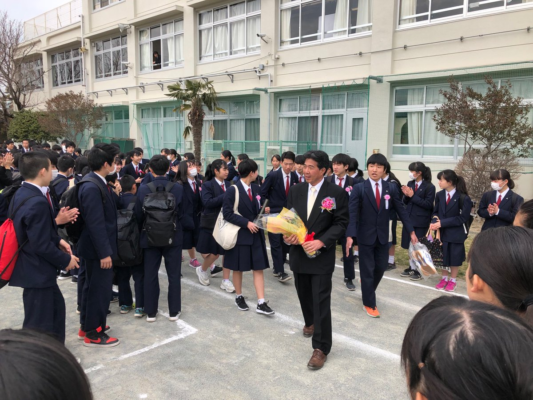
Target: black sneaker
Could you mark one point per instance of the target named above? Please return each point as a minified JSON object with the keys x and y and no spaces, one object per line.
{"x":63,"y":275}
{"x":215,"y":271}
{"x":349,"y":284}
{"x":407,"y":273}
{"x":264,"y":309}
{"x":74,"y":279}
{"x":415,"y":276}
{"x":391,"y":266}
{"x":284,"y":277}
{"x":276,"y":274}
{"x":355,"y":259}
{"x":98,"y":338}
{"x":241,"y":303}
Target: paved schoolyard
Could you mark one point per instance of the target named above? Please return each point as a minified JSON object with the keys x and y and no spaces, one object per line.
{"x":218,"y":352}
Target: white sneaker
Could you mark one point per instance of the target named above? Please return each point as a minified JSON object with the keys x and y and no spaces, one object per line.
{"x":203,"y":276}
{"x":151,"y":319}
{"x":227,"y":286}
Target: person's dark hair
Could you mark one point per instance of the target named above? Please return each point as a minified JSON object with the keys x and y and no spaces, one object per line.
{"x":118,"y":161}
{"x":183,"y":172}
{"x":86,"y":153}
{"x":112,"y":178}
{"x":418,"y":166}
{"x":77,"y":150}
{"x":247,"y":167}
{"x":26,"y":140}
{"x":458,"y":181}
{"x":341,"y":158}
{"x":64,"y":141}
{"x":502,"y":174}
{"x":525,"y":213}
{"x":227,"y":154}
{"x":31,"y":163}
{"x":289,"y":155}
{"x":299,"y":160}
{"x":35,"y":365}
{"x":277,"y":157}
{"x":46,"y":146}
{"x":508,"y":249}
{"x":165,"y":151}
{"x":121,"y":156}
{"x":320,"y":157}
{"x":243,"y":157}
{"x":127,"y":183}
{"x":189,"y":156}
{"x":70,"y":144}
{"x":64,"y":163}
{"x":146,"y":168}
{"x":174,"y":153}
{"x":378,"y":159}
{"x":79,"y":164}
{"x":159,"y":165}
{"x":216,"y":165}
{"x":52,"y":156}
{"x":198,"y":163}
{"x":9,"y":141}
{"x":16,"y":159}
{"x":139,"y":149}
{"x":456,"y":349}
{"x":354,"y":167}
{"x":100,"y":154}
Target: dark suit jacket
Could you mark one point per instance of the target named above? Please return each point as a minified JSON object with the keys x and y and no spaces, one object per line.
{"x":346,"y":182}
{"x":191,"y":205}
{"x":98,"y":239}
{"x":124,"y":200}
{"x":420,"y":206}
{"x":212,"y":196}
{"x":248,"y":210}
{"x":177,"y":191}
{"x":60,"y":184}
{"x":506,"y":212}
{"x":40,"y":258}
{"x":232,"y":172}
{"x":452,"y":222}
{"x":148,"y":178}
{"x":273,"y":189}
{"x":172,"y":174}
{"x":369,"y":224}
{"x":328,"y":227}
{"x":129,"y":169}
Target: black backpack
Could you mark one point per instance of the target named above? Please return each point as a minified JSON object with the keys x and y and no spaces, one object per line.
{"x":470,"y":217}
{"x":128,"y":238}
{"x":160,"y":215}
{"x":72,"y":232}
{"x":10,"y":191}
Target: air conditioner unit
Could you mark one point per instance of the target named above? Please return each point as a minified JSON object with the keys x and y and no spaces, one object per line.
{"x":271,"y":151}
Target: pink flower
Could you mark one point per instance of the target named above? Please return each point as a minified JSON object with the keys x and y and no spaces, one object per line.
{"x":349,"y":189}
{"x":200,"y":188}
{"x":328,"y":204}
{"x":258,"y":198}
{"x":386,"y":197}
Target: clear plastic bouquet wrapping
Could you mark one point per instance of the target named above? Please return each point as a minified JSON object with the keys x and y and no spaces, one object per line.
{"x":420,"y":260}
{"x":288,"y":223}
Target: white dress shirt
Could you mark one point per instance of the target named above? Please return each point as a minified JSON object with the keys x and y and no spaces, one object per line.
{"x":451,"y":193}
{"x":503,"y":197}
{"x":380,"y":185}
{"x":337,"y":180}
{"x":191,"y":182}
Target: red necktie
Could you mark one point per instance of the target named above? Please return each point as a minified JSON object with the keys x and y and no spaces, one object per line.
{"x":301,"y":178}
{"x":340,"y":181}
{"x":499,"y":199}
{"x":378,"y":196}
{"x":223,"y":188}
{"x":194,"y":187}
{"x":287,"y":186}
{"x":416,"y":187}
{"x":48,"y":198}
{"x":449,"y":198}
{"x":250,"y":194}
{"x":137,"y":170}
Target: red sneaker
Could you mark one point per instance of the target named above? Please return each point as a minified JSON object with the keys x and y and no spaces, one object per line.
{"x":98,"y":338}
{"x":82,"y":334}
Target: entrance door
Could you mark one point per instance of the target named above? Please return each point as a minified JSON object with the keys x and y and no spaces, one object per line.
{"x":355,"y":139}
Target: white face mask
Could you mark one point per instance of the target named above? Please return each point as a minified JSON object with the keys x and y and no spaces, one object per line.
{"x":114,"y":170}
{"x":495,"y":186}
{"x":193,"y":172}
{"x":411,"y":176}
{"x":54,"y":173}
{"x":64,"y":149}
{"x":169,"y":158}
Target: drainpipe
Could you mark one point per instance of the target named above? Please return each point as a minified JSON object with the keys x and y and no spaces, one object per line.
{"x":259,"y":75}
{"x":84,"y":72}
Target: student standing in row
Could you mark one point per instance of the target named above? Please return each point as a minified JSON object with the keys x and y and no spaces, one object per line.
{"x":230,"y":162}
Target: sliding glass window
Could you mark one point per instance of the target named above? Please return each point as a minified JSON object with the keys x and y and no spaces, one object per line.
{"x":111,"y":57}
{"x":161,"y":46}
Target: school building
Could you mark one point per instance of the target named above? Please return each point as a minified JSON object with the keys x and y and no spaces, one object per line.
{"x":353,"y":76}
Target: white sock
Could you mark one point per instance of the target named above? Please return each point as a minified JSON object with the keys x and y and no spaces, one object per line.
{"x":226,"y":280}
{"x":238,"y":295}
{"x":260,"y":301}
{"x":356,"y":253}
{"x":213,"y":267}
{"x":193,"y":259}
{"x":445,"y":278}
{"x":453,"y":280}
{"x":391,"y":259}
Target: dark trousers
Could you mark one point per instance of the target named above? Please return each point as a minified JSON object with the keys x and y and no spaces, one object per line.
{"x":373,"y":262}
{"x":125,"y":297}
{"x":349,"y":264}
{"x":81,"y":282}
{"x":96,"y":296}
{"x":152,"y":262}
{"x":44,"y":311}
{"x":279,"y":251}
{"x":314,"y":293}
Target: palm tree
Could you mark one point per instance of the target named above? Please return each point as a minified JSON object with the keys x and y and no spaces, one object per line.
{"x":194,"y":95}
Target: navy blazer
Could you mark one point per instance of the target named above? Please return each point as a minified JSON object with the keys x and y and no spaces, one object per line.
{"x":40,"y":258}
{"x":124,"y":200}
{"x":177,"y":191}
{"x":420,"y":206}
{"x":192,"y":206}
{"x":273,"y":189}
{"x":249,"y":209}
{"x":60,"y":184}
{"x":232,"y":172}
{"x":452,"y":221}
{"x":507,"y":210}
{"x":369,"y":224}
{"x":212,"y":196}
{"x":129,"y":169}
{"x":149,"y":178}
{"x":346,"y":182}
{"x":98,"y":239}
{"x":171,"y":174}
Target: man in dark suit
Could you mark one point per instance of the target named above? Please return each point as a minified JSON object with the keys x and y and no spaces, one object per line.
{"x":65,"y":167}
{"x":340,"y":164}
{"x":43,"y":252}
{"x":371,"y":203}
{"x":25,"y":146}
{"x":97,"y":244}
{"x":134,"y":168}
{"x":312,"y":276}
{"x":276,"y":190}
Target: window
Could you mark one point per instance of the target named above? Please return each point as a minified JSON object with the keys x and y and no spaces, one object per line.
{"x":67,"y":68}
{"x":230,"y":30}
{"x":162,"y":127}
{"x":311,"y":21}
{"x":116,"y":123}
{"x":161,"y":46}
{"x":426,"y":11}
{"x":110,"y":57}
{"x":97,"y":4}
{"x":32,"y":75}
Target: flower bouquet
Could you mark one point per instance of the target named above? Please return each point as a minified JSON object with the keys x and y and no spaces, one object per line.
{"x":288,"y":223}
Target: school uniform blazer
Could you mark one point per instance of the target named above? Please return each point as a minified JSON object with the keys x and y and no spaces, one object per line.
{"x":212,"y":196}
{"x":452,"y":221}
{"x":420,"y":206}
{"x":192,"y":205}
{"x":358,"y":179}
{"x":328,"y":227}
{"x":61,"y":186}
{"x":125,"y":200}
{"x":273,"y":189}
{"x":506,"y":212}
{"x":249,"y":209}
{"x":369,"y":224}
{"x":171,"y":174}
{"x":40,"y":258}
{"x":231,"y":172}
{"x":177,"y":191}
{"x":98,"y":239}
{"x":129,"y":169}
{"x":346,"y":182}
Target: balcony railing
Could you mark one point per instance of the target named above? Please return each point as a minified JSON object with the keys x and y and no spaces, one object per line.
{"x":52,"y":20}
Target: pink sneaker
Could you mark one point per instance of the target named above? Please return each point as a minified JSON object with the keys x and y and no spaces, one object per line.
{"x":450,"y":287}
{"x":194,"y":263}
{"x":442,"y":284}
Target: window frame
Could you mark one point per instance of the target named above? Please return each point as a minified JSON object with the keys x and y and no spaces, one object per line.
{"x":65,"y":61}
{"x":160,"y":38}
{"x":38,"y":71}
{"x":123,"y":68}
{"x":111,"y":3}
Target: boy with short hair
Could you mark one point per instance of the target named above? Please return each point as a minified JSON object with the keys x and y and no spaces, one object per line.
{"x":299,"y":162}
